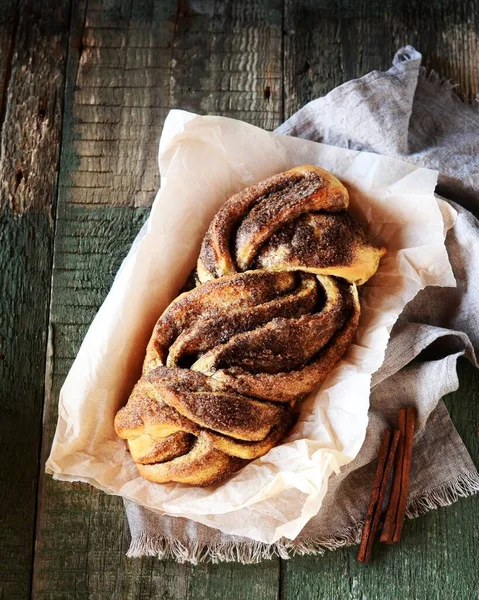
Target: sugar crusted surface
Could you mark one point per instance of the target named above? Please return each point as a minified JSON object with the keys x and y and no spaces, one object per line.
{"x":232,"y":355}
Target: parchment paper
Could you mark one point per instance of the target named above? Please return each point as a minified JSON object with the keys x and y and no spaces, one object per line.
{"x":204,"y":160}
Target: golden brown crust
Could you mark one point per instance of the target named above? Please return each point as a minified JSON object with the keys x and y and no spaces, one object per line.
{"x":203,"y":465}
{"x":254,"y":214}
{"x":264,"y":326}
{"x":293,"y":385}
{"x":323,"y":244}
{"x":146,"y":450}
{"x":196,"y":397}
{"x":241,"y":293}
{"x":251,"y":450}
{"x":283,"y":343}
{"x":293,"y":220}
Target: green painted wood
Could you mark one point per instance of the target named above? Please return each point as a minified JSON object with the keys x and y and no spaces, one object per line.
{"x":150,"y":578}
{"x":126,"y":68}
{"x":24,"y":292}
{"x":33,"y":43}
{"x":129,"y":63}
{"x":80,"y":532}
{"x":437,"y":557}
{"x":327,"y":44}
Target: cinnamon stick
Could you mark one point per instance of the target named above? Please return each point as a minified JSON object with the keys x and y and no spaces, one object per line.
{"x":378,"y":477}
{"x":389,"y":526}
{"x":387,"y":453}
{"x":406,"y":468}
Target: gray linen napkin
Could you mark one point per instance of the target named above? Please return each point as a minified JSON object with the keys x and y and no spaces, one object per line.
{"x":401,"y":112}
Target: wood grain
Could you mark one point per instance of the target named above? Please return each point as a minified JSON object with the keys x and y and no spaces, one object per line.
{"x":80,"y":532}
{"x":437,"y":556}
{"x":8,"y":34}
{"x":328,"y":43}
{"x":118,"y":90}
{"x":32,"y":65}
{"x":129,"y":62}
{"x":113,"y":117}
{"x":33,"y":81}
{"x":228,"y":60}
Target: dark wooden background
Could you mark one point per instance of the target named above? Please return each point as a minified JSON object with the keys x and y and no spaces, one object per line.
{"x":84,"y":89}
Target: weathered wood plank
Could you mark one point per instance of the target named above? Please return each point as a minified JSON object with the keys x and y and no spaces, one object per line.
{"x":328,"y":43}
{"x":33,"y":44}
{"x":82,"y":537}
{"x":9,"y":16}
{"x":126,"y":68}
{"x":33,"y":81}
{"x":437,"y":557}
{"x":150,"y":579}
{"x":119,"y":89}
{"x":228,"y":60}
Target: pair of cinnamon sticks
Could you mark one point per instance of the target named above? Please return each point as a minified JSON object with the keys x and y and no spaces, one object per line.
{"x":394,"y":457}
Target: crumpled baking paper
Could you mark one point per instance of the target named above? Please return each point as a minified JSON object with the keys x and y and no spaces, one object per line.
{"x":203,"y":161}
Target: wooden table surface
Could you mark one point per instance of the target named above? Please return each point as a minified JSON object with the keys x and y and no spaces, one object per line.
{"x":85,"y":87}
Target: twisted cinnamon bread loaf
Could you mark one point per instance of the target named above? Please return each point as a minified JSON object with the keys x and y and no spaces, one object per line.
{"x":274,"y":308}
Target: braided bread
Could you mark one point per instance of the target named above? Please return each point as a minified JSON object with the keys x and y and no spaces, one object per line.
{"x":274,"y":308}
